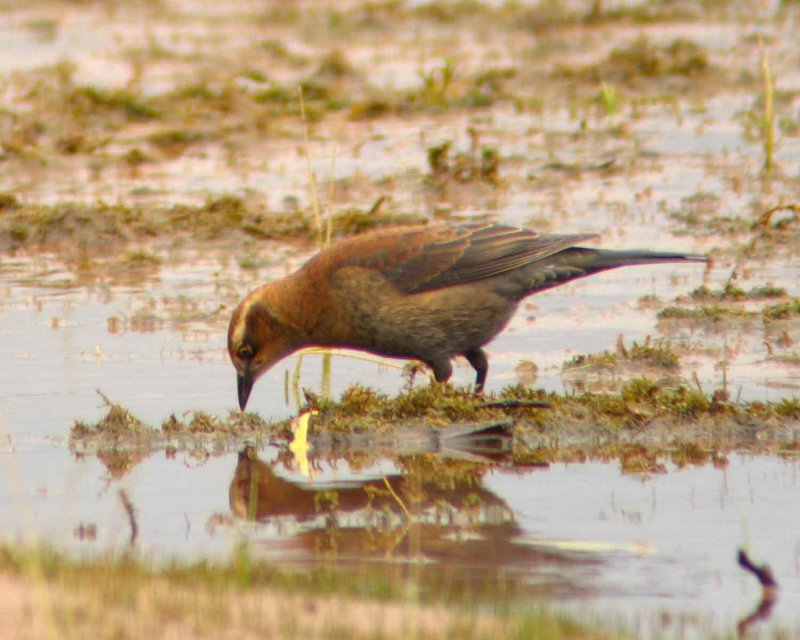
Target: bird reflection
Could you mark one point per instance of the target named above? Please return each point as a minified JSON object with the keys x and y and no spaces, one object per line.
{"x":452,"y":489}
{"x":429,"y":511}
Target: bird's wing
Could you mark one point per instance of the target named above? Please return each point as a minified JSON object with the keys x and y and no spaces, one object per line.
{"x":424,"y":259}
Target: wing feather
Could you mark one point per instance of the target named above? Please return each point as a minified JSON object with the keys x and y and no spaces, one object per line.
{"x":449,"y":256}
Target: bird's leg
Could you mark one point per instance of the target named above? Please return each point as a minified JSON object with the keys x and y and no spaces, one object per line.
{"x":477,"y":358}
{"x":442,"y":369}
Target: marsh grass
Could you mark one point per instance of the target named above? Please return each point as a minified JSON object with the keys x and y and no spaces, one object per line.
{"x":609,"y":98}
{"x":323,"y":233}
{"x":643,"y":61}
{"x":351,"y":221}
{"x":323,"y":239}
{"x":114,"y":596}
{"x":675,"y":408}
{"x":767,"y":128}
{"x":782,"y":310}
{"x":58,"y":123}
{"x":120,"y":440}
{"x":732,"y":292}
{"x":656,"y":353}
{"x":99,"y":230}
{"x":480,"y":164}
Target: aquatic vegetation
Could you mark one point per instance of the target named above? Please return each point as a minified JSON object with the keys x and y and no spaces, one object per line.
{"x":655,"y":353}
{"x":8,"y":201}
{"x":118,"y":422}
{"x":476,"y":165}
{"x":83,"y":102}
{"x":690,"y":453}
{"x":767,"y":128}
{"x":190,"y":139}
{"x":437,"y":404}
{"x":176,"y":140}
{"x":712,"y":313}
{"x":609,"y":98}
{"x":782,"y":310}
{"x":699,"y":214}
{"x":640,"y":426}
{"x":355,"y":220}
{"x":732,"y":292}
{"x":68,"y":225}
{"x":642,"y":60}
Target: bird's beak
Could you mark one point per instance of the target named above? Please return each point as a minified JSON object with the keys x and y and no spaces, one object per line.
{"x":244,"y":384}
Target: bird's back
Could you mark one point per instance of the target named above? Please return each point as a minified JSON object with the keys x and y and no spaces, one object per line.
{"x":418,"y":259}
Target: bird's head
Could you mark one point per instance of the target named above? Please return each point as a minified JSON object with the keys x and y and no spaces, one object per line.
{"x":257,"y":339}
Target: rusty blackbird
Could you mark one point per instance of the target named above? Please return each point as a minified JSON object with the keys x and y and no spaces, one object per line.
{"x":425,"y":292}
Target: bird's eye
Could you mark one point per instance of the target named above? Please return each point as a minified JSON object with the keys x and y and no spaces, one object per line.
{"x":245,"y":352}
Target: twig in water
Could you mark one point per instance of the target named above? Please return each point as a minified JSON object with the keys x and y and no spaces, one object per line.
{"x":765,"y":219}
{"x":763,"y":573}
{"x":124,"y":498}
{"x":397,"y":498}
{"x":769,"y":593}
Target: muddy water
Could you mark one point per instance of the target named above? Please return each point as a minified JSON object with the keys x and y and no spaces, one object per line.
{"x":657,"y":553}
{"x":158,"y":343}
{"x":627,"y":548}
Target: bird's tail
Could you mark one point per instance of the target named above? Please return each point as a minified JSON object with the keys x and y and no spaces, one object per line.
{"x":579,"y":262}
{"x":601,"y":259}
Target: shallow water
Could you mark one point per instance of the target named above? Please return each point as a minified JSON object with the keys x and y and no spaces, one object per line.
{"x":655,"y":552}
{"x":585,"y":535}
{"x":159,"y":342}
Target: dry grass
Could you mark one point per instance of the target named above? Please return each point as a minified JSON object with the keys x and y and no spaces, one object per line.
{"x":160,"y":609}
{"x":120,"y":599}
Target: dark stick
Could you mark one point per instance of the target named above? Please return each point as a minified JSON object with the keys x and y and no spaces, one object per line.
{"x":769,"y":593}
{"x":128,"y":506}
{"x":763,"y":573}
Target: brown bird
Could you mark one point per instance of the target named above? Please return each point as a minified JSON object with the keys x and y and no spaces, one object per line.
{"x":423,"y":292}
